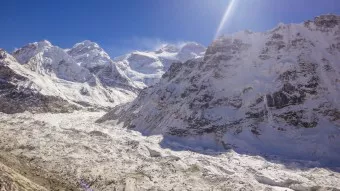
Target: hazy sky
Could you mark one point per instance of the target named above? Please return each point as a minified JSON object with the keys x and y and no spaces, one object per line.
{"x":122,"y":26}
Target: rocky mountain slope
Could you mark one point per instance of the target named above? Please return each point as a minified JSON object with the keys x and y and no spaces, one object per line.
{"x":272,"y":93}
{"x":18,"y":93}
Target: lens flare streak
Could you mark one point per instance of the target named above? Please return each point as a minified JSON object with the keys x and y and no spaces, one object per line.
{"x":226,"y":16}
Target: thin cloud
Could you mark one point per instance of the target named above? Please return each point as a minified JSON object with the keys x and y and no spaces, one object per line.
{"x":127,"y":45}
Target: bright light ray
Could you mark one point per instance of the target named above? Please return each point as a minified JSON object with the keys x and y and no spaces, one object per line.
{"x":227,"y":14}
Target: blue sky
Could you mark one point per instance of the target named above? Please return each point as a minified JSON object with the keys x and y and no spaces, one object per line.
{"x":125,"y":25}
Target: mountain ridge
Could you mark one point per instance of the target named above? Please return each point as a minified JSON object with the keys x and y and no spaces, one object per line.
{"x":84,"y":75}
{"x":281,"y":86}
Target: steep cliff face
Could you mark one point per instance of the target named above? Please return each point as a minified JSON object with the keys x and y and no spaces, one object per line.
{"x":275,"y":93}
{"x":18,"y":93}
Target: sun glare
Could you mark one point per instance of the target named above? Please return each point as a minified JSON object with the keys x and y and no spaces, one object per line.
{"x":226,"y":16}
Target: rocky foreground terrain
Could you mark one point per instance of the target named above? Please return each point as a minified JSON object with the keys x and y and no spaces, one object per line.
{"x":253,"y":111}
{"x":72,"y":152}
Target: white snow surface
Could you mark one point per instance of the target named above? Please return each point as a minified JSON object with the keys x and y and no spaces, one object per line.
{"x":76,"y":151}
{"x":68,"y":81}
{"x":265,"y":93}
{"x":147,"y":68}
{"x":89,"y":55}
{"x":260,"y":111}
{"x":86,"y":74}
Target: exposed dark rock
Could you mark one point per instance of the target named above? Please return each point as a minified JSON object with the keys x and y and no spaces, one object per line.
{"x":278,"y":45}
{"x":256,"y":115}
{"x":221,"y":102}
{"x":282,"y":99}
{"x":255,"y":131}
{"x":223,"y":50}
{"x":326,"y":21}
{"x":298,"y":119}
{"x":289,"y":88}
{"x":133,"y":144}
{"x":173,"y":70}
{"x":84,"y":91}
{"x":246,"y":90}
{"x":264,"y":57}
{"x":308,"y":67}
{"x":18,"y":101}
{"x":277,"y":36}
{"x":288,"y":75}
{"x":99,"y":134}
{"x":2,"y":54}
{"x":180,"y":132}
{"x":154,"y":153}
{"x":15,"y":99}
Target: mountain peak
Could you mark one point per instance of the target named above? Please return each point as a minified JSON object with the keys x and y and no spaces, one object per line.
{"x":187,"y":46}
{"x":44,"y":43}
{"x":87,"y":43}
{"x":87,"y":47}
{"x":191,"y":50}
{"x":90,"y":55}
{"x":327,"y":20}
{"x":28,"y":51}
{"x":168,"y":48}
{"x":193,"y":46}
{"x":3,"y":54}
{"x":40,"y":45}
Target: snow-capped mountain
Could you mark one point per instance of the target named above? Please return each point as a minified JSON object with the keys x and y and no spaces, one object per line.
{"x":90,"y":55}
{"x":19,"y":93}
{"x":51,"y":71}
{"x":85,"y":75}
{"x":273,"y":93}
{"x":46,"y":59}
{"x":147,"y":68}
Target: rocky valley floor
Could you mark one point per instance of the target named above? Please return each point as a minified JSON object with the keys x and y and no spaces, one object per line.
{"x":72,"y":152}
